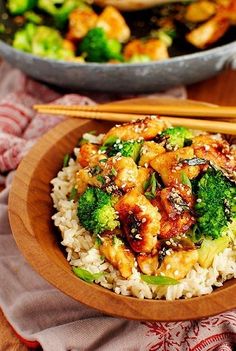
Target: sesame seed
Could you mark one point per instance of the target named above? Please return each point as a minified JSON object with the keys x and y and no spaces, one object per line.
{"x":168,"y":266}
{"x":176,"y":272}
{"x":138,"y":236}
{"x":144,"y":220}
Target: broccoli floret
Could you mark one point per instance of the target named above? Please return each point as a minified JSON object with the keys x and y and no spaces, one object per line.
{"x":114,"y":146}
{"x":97,"y":47}
{"x":43,"y":41}
{"x":62,"y":12}
{"x":49,"y":43}
{"x":48,"y":6}
{"x":95,"y":211}
{"x":176,"y":137}
{"x":23,"y":38}
{"x":131,"y":149}
{"x":216,"y":203}
{"x":19,"y":7}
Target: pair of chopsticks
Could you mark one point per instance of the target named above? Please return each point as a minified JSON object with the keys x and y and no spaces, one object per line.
{"x":216,"y":119}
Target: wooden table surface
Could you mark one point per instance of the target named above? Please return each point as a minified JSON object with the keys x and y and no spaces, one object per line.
{"x":219,"y":90}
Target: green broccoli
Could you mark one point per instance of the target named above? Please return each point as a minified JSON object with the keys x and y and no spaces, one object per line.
{"x":114,"y":145}
{"x":19,"y":7}
{"x":41,"y":40}
{"x":96,"y":47}
{"x":60,"y":9}
{"x":48,"y":42}
{"x":176,"y":137}
{"x":63,"y":13}
{"x":48,"y":6}
{"x":95,"y":211}
{"x":23,"y":38}
{"x":216,"y":203}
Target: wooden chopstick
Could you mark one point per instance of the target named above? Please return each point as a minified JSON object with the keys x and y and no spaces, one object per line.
{"x":206,"y":125}
{"x":203,"y":111}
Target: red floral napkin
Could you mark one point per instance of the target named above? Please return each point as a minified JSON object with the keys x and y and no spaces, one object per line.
{"x":39,"y":313}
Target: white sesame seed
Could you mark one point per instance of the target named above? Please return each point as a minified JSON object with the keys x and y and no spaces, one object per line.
{"x":176,"y":272}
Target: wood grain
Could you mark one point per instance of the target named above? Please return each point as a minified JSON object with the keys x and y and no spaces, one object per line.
{"x":30,"y":203}
{"x":219,"y":90}
{"x":8,"y":339}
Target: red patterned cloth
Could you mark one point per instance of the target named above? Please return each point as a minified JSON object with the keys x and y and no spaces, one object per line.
{"x":39,"y":313}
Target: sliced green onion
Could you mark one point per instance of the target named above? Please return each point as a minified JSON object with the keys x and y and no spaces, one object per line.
{"x":149,"y":195}
{"x":86,"y":275}
{"x":185,"y":179}
{"x":104,"y":160}
{"x":73,"y":193}
{"x":66,"y":160}
{"x":158,"y":280}
{"x":101,"y":179}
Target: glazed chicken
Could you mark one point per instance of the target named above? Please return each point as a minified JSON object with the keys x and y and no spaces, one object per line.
{"x":153,"y":48}
{"x":170,"y":166}
{"x":176,"y":205}
{"x":216,"y":151}
{"x":118,"y":255}
{"x":141,"y":221}
{"x":145,"y":129}
{"x":219,"y":15}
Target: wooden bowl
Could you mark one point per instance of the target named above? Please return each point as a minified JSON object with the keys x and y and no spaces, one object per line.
{"x":30,"y":211}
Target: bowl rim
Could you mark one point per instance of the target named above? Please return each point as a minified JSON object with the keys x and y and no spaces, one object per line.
{"x":106,"y":301}
{"x":108,"y":66}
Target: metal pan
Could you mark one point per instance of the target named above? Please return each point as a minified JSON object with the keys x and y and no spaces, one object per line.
{"x":125,"y":78}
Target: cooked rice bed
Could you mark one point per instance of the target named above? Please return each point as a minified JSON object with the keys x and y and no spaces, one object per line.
{"x":82,"y":252}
